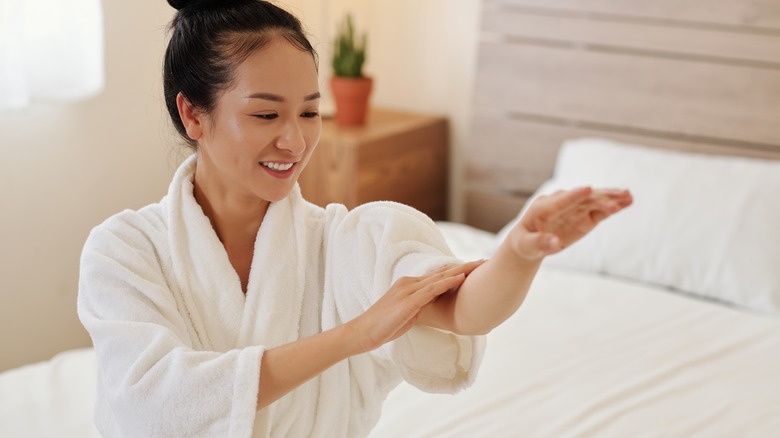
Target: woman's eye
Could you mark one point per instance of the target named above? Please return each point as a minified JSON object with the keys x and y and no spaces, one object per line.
{"x":266,"y":116}
{"x":310,"y":114}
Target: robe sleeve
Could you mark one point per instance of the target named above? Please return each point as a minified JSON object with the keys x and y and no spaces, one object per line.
{"x":151,"y":381}
{"x":369,"y":249}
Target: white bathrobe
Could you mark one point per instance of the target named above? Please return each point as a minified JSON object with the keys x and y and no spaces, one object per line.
{"x":179,"y":344}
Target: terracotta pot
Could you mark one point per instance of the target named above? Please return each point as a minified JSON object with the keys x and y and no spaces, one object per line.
{"x":351,"y":98}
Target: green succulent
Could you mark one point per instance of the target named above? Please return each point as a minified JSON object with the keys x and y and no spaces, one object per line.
{"x":349,"y":54}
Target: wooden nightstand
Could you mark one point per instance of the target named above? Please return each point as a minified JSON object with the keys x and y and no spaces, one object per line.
{"x":396,"y":156}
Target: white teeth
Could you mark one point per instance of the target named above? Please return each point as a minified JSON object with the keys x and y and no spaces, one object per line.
{"x":277,"y":166}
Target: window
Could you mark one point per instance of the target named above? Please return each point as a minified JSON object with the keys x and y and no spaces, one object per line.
{"x":50,"y":50}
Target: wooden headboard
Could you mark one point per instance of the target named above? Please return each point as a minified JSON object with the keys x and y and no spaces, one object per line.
{"x":695,"y":75}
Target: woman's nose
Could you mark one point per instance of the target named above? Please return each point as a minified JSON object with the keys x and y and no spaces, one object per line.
{"x":291,"y":139}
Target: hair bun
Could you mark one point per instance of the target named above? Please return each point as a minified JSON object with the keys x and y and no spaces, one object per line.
{"x":179,"y":4}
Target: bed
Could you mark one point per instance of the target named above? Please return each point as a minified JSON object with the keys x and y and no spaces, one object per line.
{"x":593,"y":355}
{"x":587,"y":355}
{"x":665,"y":321}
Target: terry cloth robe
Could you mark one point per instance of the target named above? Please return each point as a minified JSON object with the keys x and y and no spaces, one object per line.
{"x":179,"y":345}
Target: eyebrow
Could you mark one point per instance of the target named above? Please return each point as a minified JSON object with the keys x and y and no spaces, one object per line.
{"x":277,"y":98}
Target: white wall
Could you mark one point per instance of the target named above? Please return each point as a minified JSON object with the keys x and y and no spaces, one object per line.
{"x":66,"y":167}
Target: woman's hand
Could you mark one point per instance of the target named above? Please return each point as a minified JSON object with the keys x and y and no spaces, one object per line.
{"x":495,"y":291}
{"x":287,"y":366}
{"x":556,"y":221}
{"x":397,"y":311}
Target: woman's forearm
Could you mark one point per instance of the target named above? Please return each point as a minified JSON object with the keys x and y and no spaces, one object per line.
{"x":489,"y":295}
{"x":494,"y":291}
{"x":286,"y":367}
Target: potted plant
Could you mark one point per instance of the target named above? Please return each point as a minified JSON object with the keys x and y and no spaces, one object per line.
{"x":351,"y":89}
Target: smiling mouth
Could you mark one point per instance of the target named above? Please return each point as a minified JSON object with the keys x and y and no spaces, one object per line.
{"x":279,"y":167}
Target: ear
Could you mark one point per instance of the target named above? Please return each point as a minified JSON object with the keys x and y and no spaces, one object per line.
{"x":190,"y":117}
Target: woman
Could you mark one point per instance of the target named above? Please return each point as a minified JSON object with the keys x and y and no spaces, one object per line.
{"x":235,"y":308}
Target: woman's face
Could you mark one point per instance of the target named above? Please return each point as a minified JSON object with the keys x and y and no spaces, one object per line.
{"x":260,"y":136}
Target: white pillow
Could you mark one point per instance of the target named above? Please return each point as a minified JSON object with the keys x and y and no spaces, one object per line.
{"x":708,"y":225}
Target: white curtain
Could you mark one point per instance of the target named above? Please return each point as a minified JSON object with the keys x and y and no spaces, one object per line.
{"x":50,"y":50}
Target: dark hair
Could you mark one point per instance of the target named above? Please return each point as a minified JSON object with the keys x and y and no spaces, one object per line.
{"x":210,"y":39}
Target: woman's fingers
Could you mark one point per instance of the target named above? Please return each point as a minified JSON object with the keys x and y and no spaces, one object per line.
{"x":425,"y":292}
{"x":463,"y":268}
{"x":608,"y":203}
{"x":434,"y":283}
{"x":583,"y":201}
{"x":556,"y":221}
{"x":439,"y":281}
{"x":613,"y":200}
{"x":397,"y":310}
{"x":561,"y":201}
{"x":447,"y":271}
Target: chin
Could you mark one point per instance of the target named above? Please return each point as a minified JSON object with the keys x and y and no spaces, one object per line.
{"x":276,"y":195}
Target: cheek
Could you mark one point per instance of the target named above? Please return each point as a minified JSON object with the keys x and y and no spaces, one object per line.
{"x":236,"y":131}
{"x":240,"y":139}
{"x":312,"y":136}
{"x":312,"y":139}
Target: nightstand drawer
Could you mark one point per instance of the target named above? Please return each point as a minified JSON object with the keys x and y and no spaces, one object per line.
{"x":396,"y":156}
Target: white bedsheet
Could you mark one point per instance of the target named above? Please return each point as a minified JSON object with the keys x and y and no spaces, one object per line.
{"x":596,"y":356}
{"x":586,"y":356}
{"x":54,"y":398}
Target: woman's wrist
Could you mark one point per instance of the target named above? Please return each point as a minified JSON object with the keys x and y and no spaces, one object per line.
{"x":352,"y":338}
{"x":511,"y":253}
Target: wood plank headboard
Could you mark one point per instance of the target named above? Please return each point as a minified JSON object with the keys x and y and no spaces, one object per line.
{"x":698,"y":75}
